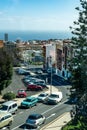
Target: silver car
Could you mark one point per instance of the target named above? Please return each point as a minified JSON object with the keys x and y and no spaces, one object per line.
{"x":35,"y":119}
{"x":42,"y":97}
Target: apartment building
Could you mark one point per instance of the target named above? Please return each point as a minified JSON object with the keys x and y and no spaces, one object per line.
{"x":56,"y":53}
{"x":1,"y":43}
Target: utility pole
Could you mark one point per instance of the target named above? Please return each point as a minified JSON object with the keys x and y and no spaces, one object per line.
{"x":51,"y":75}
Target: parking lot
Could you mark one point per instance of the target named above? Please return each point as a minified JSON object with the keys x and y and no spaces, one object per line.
{"x":17,"y":84}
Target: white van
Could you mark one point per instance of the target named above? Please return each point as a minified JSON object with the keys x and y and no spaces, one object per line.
{"x":54,"y":98}
{"x":9,"y":106}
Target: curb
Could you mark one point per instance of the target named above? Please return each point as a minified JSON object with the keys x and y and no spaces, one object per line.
{"x":43,"y":128}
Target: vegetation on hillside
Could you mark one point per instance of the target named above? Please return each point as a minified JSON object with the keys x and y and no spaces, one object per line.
{"x":78,"y":68}
{"x":6,"y":69}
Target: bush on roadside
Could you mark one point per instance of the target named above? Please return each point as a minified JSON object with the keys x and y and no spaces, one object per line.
{"x":76,"y":124}
{"x":9,"y":96}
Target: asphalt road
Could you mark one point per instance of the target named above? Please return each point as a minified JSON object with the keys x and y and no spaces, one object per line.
{"x":50,"y":111}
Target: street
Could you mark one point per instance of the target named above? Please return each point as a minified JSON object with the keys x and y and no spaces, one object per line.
{"x":50,"y":111}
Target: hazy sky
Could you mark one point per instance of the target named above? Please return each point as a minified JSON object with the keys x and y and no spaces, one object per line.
{"x":38,"y":15}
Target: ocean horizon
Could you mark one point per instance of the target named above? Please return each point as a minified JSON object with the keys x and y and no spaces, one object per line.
{"x":35,"y":35}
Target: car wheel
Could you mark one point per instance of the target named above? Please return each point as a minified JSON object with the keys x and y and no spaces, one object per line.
{"x":10,"y":123}
{"x":44,"y":121}
{"x":36,"y":104}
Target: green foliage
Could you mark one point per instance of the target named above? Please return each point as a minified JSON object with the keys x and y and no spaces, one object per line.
{"x":78,"y":63}
{"x":6,"y":69}
{"x":9,"y":96}
{"x":80,"y":124}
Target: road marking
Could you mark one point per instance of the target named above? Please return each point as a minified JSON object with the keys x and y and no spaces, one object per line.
{"x":3,"y":128}
{"x":54,"y":107}
{"x":43,"y":113}
{"x":20,"y":112}
{"x":51,"y":115}
{"x":17,"y":127}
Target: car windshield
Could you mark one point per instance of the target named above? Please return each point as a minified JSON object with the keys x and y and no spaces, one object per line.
{"x":28,"y":100}
{"x":3,"y":107}
{"x":42,"y":95}
{"x":33,"y":117}
{"x":21,"y":91}
{"x":54,"y":96}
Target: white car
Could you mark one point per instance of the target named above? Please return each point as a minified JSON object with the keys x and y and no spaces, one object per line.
{"x":42,"y":97}
{"x":54,"y":98}
{"x":35,"y":120}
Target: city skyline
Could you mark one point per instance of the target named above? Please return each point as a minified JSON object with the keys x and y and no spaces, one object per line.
{"x":38,"y":15}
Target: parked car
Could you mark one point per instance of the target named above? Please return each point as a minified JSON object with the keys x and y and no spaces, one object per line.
{"x":42,"y":97}
{"x":39,"y":72}
{"x":34,"y":87}
{"x":43,"y":85}
{"x":6,"y":119}
{"x":21,"y":71}
{"x":27,"y":77}
{"x":54,"y":98}
{"x":9,"y":106}
{"x":29,"y":80}
{"x":39,"y":81}
{"x":35,"y":119}
{"x":21,"y":93}
{"x":29,"y":102}
{"x":30,"y":127}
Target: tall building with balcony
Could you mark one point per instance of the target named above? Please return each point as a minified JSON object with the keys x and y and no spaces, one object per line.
{"x":49,"y":54}
{"x":59,"y":51}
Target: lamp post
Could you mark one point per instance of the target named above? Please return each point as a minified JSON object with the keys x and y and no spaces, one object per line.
{"x":51,"y":75}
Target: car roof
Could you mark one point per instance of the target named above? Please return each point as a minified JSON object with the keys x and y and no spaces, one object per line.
{"x":9,"y":103}
{"x":30,"y":97}
{"x":35,"y":115}
{"x":43,"y":93}
{"x":57,"y":92}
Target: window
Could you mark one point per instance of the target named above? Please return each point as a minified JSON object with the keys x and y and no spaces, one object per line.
{"x":9,"y":108}
{"x":2,"y":119}
{"x":8,"y":116}
{"x":14,"y":105}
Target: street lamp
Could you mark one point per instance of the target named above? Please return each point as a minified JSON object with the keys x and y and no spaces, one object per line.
{"x":51,"y":75}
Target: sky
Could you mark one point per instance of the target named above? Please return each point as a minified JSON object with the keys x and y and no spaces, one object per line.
{"x":38,"y":15}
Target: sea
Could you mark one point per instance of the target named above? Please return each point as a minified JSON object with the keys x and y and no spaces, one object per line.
{"x":35,"y":35}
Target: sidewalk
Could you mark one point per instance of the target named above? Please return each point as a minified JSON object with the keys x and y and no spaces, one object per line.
{"x":58,"y":123}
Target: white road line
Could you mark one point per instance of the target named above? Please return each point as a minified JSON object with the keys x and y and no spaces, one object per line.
{"x":43,"y":113}
{"x":54,"y":107}
{"x":21,"y":112}
{"x":16,"y":127}
{"x":3,"y":128}
{"x":51,"y":115}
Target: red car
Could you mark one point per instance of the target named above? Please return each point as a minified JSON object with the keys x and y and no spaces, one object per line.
{"x":21,"y":93}
{"x":34,"y":87}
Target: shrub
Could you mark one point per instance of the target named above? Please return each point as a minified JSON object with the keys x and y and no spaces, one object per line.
{"x":9,"y":96}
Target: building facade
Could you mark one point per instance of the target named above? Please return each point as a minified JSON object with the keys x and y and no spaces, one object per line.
{"x":6,"y":36}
